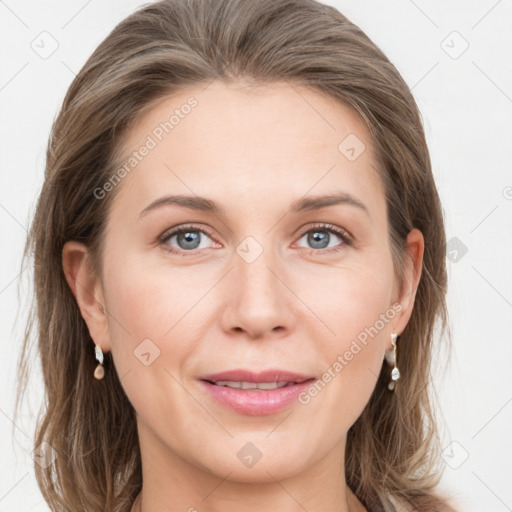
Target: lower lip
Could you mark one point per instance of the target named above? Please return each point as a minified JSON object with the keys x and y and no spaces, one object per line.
{"x":256,"y":402}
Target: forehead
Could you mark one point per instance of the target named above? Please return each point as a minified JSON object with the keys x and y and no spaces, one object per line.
{"x":270,"y":143}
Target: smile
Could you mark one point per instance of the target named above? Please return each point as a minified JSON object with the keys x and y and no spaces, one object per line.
{"x":254,"y":394}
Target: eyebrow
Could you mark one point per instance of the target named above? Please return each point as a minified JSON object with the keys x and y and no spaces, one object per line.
{"x":208,"y":206}
{"x":318,"y":202}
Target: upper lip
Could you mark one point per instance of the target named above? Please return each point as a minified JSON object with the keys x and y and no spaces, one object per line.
{"x":272,"y":375}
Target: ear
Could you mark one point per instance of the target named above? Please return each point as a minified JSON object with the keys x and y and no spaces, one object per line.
{"x":413,"y":264}
{"x":88,"y":291}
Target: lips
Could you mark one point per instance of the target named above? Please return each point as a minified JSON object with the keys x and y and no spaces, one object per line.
{"x":252,"y":393}
{"x":267,"y":376}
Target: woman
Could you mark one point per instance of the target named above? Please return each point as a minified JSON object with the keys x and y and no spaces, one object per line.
{"x":239,"y":259}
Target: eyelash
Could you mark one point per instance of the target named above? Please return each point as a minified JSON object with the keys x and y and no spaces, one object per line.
{"x":341,"y":233}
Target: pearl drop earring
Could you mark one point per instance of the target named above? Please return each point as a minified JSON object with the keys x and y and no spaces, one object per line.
{"x":99,"y":372}
{"x":391,"y":359}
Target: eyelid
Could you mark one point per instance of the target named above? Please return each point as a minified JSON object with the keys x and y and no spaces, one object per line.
{"x":341,"y":232}
{"x":183,"y":227}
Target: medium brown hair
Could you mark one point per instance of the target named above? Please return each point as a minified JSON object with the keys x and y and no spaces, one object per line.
{"x":392,"y":449}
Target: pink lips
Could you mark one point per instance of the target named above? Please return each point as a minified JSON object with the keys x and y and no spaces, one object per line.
{"x":255,"y":401}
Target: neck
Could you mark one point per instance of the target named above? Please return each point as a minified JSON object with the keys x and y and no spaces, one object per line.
{"x":352,"y":504}
{"x":172,"y":483}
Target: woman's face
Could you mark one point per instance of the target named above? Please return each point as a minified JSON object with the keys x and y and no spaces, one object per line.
{"x":283,"y":265}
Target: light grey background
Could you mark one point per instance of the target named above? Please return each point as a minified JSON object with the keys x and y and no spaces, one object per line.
{"x":465,"y":95}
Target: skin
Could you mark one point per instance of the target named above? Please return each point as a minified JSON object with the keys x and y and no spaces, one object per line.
{"x":297,"y":307}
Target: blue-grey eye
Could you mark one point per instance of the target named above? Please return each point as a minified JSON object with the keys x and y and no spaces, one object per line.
{"x":318,"y":239}
{"x":323,"y":238}
{"x":188,"y":239}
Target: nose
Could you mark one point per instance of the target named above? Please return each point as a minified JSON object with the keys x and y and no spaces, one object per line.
{"x":258,"y":298}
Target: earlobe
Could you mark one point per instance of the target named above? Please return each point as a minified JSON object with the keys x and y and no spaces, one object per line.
{"x":86,"y":286}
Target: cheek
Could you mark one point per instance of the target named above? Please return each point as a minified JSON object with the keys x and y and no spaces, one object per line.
{"x":149,"y":306}
{"x":136,"y":313}
{"x":358,"y":310}
{"x":152,"y":330}
{"x":350,"y":300}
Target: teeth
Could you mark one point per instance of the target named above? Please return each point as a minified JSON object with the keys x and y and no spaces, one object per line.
{"x":251,"y":385}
